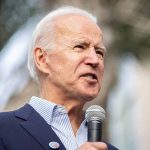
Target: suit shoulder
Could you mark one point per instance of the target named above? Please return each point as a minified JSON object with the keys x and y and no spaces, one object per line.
{"x":6,"y":122}
{"x":5,"y":116}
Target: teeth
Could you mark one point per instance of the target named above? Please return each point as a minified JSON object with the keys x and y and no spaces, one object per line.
{"x":90,"y":76}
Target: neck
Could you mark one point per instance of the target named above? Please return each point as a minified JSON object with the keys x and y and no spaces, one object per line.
{"x":73,"y":106}
{"x":76,"y":116}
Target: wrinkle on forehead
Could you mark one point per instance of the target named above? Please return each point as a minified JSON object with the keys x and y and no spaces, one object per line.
{"x":74,"y":23}
{"x":77,"y":28}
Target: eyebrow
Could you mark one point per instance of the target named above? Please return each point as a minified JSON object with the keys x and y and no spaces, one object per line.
{"x":85,"y":42}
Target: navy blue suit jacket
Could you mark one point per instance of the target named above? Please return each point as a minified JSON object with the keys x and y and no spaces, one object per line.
{"x":25,"y":129}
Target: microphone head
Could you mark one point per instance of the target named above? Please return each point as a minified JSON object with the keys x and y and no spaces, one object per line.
{"x":95,"y":112}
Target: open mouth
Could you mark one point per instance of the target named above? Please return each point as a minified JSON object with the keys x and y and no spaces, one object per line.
{"x":90,"y":76}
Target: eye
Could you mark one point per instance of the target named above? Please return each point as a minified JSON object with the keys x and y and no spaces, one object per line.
{"x":100,"y":52}
{"x":80,"y":46}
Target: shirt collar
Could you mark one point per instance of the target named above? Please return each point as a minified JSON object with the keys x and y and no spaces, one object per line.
{"x":45,"y":108}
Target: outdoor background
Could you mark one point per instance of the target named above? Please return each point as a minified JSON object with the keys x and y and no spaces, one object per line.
{"x":125,"y":94}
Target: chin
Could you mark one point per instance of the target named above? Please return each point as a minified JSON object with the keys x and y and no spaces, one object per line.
{"x":86,"y":93}
{"x":88,"y":96}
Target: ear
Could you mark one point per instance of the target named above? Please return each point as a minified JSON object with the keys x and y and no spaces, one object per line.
{"x":40,"y":57}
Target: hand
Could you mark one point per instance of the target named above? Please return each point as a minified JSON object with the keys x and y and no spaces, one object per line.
{"x":93,"y":146}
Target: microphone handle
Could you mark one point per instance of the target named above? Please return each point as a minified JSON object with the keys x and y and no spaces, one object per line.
{"x":94,"y":130}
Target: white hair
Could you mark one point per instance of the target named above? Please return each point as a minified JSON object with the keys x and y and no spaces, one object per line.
{"x":45,"y":29}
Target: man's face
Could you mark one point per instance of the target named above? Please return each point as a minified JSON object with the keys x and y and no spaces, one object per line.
{"x":76,"y":65}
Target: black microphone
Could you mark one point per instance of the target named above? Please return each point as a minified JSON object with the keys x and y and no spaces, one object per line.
{"x":95,"y":116}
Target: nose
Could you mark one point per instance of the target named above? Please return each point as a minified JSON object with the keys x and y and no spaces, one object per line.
{"x":92,"y":58}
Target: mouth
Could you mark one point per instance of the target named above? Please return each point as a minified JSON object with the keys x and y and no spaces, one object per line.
{"x":90,"y":76}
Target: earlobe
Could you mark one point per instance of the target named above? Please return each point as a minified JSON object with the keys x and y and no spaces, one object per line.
{"x":40,"y":57}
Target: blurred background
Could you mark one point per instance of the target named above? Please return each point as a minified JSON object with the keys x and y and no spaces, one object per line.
{"x":125,"y":93}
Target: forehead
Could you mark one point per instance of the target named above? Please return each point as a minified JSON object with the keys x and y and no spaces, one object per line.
{"x":77,"y":27}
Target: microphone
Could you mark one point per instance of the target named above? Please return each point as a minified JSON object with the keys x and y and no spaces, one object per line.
{"x":95,"y":116}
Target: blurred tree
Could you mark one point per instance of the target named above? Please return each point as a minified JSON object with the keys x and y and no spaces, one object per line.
{"x":130,"y":23}
{"x":127,"y":21}
{"x":13,"y":14}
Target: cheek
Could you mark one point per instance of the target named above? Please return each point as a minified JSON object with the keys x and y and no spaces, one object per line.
{"x":72,"y":61}
{"x":101,"y":71}
{"x":102,"y":67}
{"x":61,"y":65}
{"x":54,"y":64}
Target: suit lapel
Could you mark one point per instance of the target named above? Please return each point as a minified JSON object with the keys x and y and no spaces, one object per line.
{"x":37,"y":127}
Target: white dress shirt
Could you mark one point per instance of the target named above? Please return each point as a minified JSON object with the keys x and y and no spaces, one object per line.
{"x":56,"y":116}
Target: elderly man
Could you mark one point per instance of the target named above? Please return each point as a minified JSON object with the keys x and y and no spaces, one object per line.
{"x":67,"y":60}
